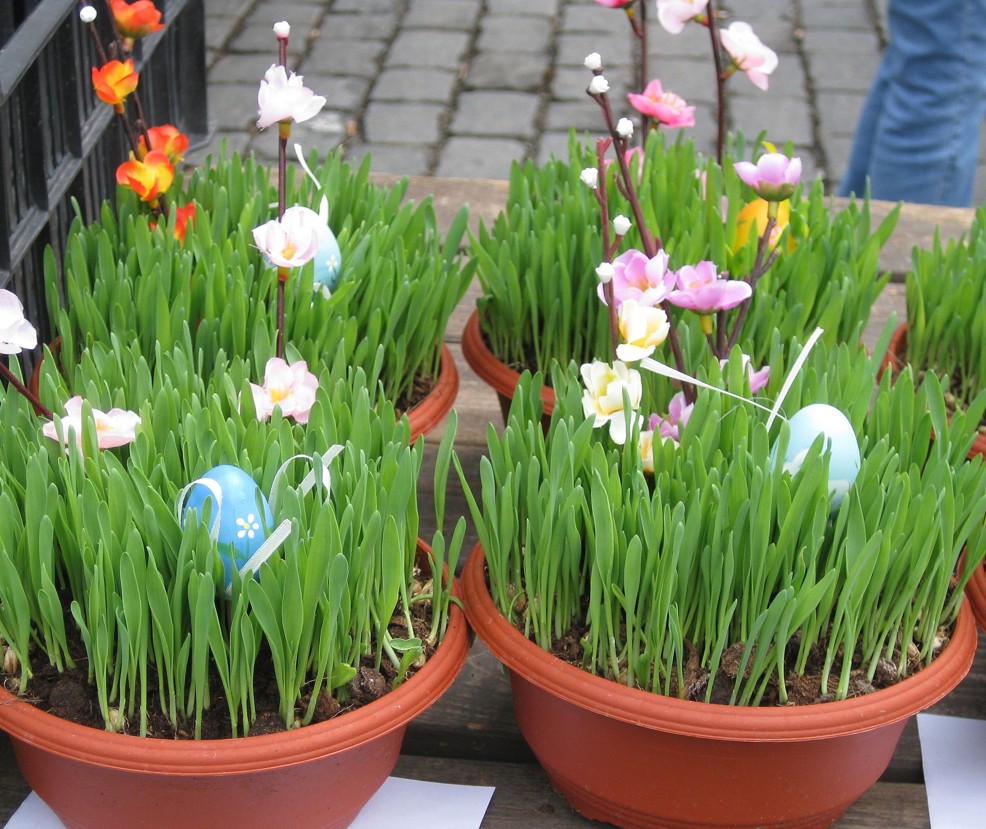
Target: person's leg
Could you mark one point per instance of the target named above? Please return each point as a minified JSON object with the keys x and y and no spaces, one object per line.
{"x":924,"y":134}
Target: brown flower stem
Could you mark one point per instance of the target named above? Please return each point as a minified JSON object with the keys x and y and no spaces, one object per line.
{"x":761,"y":264}
{"x":609,"y":247}
{"x":721,"y":77}
{"x":283,"y":133}
{"x":638,"y":23}
{"x":282,"y":278}
{"x":17,"y":384}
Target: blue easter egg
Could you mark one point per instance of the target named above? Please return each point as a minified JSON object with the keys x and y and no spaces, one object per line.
{"x":242,"y":528}
{"x":840,"y":440}
{"x":328,"y":262}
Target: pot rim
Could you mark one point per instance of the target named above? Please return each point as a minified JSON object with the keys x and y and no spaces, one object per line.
{"x":425,"y":415}
{"x":491,"y":369}
{"x":156,"y":755}
{"x":711,"y":720}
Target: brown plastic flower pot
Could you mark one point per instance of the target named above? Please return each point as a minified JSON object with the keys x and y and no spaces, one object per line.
{"x":492,"y":371}
{"x":429,"y":413}
{"x":424,"y":417}
{"x":896,"y":359}
{"x":315,"y":777}
{"x":638,"y":760}
{"x":975,"y":591}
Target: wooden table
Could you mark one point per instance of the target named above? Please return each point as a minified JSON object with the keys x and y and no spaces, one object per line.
{"x":470,"y":736}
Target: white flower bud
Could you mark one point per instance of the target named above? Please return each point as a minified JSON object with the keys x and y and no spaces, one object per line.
{"x":593,"y":61}
{"x":282,"y":28}
{"x":621,"y":224}
{"x":590,"y":176}
{"x":87,"y":14}
{"x":624,"y":128}
{"x":598,"y":85}
{"x":11,"y":664}
{"x":605,"y":272}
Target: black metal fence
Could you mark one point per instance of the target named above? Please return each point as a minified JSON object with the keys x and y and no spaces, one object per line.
{"x":59,"y":142}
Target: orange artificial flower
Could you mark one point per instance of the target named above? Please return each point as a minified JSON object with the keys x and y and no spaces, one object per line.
{"x":134,"y":20}
{"x":167,"y":139}
{"x":148,"y":178}
{"x":114,"y":81}
{"x":184,"y":216}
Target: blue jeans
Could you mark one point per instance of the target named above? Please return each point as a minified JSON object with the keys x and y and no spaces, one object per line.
{"x":918,"y":134}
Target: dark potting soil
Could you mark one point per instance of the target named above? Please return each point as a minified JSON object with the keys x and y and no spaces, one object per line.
{"x":420,"y":389}
{"x":802,"y":689}
{"x":68,"y":695}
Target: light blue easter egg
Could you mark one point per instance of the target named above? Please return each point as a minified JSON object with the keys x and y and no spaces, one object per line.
{"x":328,"y":263}
{"x":840,"y":439}
{"x":242,"y":527}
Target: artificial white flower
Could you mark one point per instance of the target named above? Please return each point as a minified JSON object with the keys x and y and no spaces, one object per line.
{"x":643,"y":328}
{"x":284,"y":97}
{"x":603,"y":397}
{"x":282,"y":28}
{"x":16,"y":333}
{"x":622,"y":225}
{"x":87,"y":14}
{"x":291,"y":387}
{"x":598,"y":85}
{"x":590,"y":176}
{"x":624,"y":128}
{"x":116,"y":427}
{"x":605,"y":272}
{"x":593,"y":61}
{"x":292,"y":241}
{"x":645,"y":444}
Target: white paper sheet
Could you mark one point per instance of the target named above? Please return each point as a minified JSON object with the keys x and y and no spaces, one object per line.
{"x":449,"y":806}
{"x":953,"y":751}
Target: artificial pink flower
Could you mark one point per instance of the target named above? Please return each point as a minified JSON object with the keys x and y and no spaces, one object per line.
{"x":678,"y":414}
{"x":293,"y":240}
{"x":616,"y":4}
{"x":666,"y":108}
{"x":758,"y":379}
{"x":284,"y":97}
{"x":16,"y":333}
{"x":647,"y":281}
{"x":289,"y":387}
{"x":116,"y":427}
{"x":774,"y":176}
{"x":748,"y":53}
{"x":701,"y":289}
{"x":674,"y":14}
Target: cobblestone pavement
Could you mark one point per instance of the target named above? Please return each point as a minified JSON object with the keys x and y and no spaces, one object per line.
{"x":464,"y":87}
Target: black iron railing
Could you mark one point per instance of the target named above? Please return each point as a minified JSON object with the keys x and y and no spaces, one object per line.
{"x":58,"y":142}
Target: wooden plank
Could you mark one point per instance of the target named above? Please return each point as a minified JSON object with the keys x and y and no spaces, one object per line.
{"x":524,"y":797}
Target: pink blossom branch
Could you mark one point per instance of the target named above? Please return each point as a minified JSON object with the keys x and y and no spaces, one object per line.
{"x":609,"y":247}
{"x":721,"y":77}
{"x":761,"y":264}
{"x":32,"y":399}
{"x":283,"y":131}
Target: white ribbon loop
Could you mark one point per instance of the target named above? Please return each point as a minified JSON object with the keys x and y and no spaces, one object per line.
{"x":217,"y":495}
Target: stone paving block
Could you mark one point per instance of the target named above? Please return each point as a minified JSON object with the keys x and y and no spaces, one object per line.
{"x":301,"y":15}
{"x":775,"y":31}
{"x":434,"y":85}
{"x":539,"y":8}
{"x":368,"y":7}
{"x":785,"y":119}
{"x":401,"y":160}
{"x":236,"y":69}
{"x":569,"y":84}
{"x":428,"y":48}
{"x":218,"y":29}
{"x":833,"y":75}
{"x":259,"y":38}
{"x":838,"y":112}
{"x":473,"y":157}
{"x":344,"y":57}
{"x":234,"y":106}
{"x":691,"y":78}
{"x":507,"y":114}
{"x":830,"y":42}
{"x":514,"y":34}
{"x":593,"y":18}
{"x":552,"y":144}
{"x":507,"y":70}
{"x":341,"y":93}
{"x":442,"y":14}
{"x":395,"y":123}
{"x":358,"y":26}
{"x":831,"y":16}
{"x":837,"y":150}
{"x":580,"y":115}
{"x":227,"y":8}
{"x":691,"y":43}
{"x":615,"y":49}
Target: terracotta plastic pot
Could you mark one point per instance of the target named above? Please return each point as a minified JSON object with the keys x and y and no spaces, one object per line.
{"x":896,"y":359}
{"x":975,"y":591}
{"x":426,"y":415}
{"x":315,"y":777}
{"x":495,"y":373}
{"x":637,"y":759}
